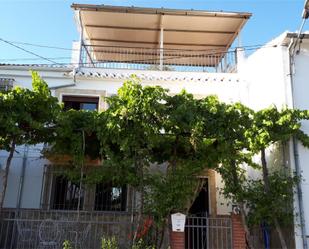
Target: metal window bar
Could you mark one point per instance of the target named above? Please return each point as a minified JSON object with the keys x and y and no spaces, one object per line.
{"x":59,"y":193}
{"x":6,"y":84}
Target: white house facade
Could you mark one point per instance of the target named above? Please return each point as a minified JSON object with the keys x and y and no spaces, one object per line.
{"x":174,"y":49}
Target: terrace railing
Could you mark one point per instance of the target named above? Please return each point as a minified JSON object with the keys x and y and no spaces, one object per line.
{"x":159,"y":59}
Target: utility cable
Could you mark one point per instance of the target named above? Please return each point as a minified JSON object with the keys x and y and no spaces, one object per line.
{"x":28,"y":59}
{"x":27,"y":51}
{"x":214,"y":53}
{"x":42,"y":46}
{"x":70,"y":49}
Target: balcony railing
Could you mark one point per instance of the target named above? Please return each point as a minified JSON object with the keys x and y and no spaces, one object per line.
{"x":158,"y":59}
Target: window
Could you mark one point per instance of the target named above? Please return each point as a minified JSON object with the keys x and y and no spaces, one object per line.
{"x":6,"y":84}
{"x":66,"y":194}
{"x":110,"y":198}
{"x":80,"y":103}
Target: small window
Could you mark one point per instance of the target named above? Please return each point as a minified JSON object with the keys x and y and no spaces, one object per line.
{"x":80,"y":103}
{"x":66,"y":194}
{"x":6,"y":84}
{"x":110,"y":198}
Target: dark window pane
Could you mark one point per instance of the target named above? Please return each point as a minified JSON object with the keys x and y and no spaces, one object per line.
{"x":80,"y":103}
{"x":110,"y":198}
{"x":71,"y":105}
{"x":66,"y":194}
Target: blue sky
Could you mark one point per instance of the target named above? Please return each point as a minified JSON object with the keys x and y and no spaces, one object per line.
{"x":50,"y":22}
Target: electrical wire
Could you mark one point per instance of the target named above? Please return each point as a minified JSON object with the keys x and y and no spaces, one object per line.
{"x":130,"y":61}
{"x":42,"y":46}
{"x":71,"y":49}
{"x":28,"y":59}
{"x":53,"y":62}
{"x":27,"y":51}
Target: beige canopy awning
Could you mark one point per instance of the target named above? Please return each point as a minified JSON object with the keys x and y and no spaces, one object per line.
{"x":180,"y":36}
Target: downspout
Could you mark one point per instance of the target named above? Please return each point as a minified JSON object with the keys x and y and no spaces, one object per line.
{"x":295,"y":149}
{"x":22,"y":177}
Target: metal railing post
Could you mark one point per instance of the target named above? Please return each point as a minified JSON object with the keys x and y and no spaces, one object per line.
{"x":161,"y":49}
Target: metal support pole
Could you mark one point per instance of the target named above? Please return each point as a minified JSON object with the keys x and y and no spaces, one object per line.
{"x":22,"y":177}
{"x":161,"y":48}
{"x":81,"y":40}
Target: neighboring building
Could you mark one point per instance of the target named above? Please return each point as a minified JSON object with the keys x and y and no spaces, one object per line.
{"x":278,"y":74}
{"x":175,"y":49}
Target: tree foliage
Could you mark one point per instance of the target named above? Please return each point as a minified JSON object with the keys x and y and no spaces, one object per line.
{"x":26,"y":117}
{"x":277,"y":203}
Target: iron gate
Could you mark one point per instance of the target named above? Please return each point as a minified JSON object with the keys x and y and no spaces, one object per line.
{"x":208,"y":233}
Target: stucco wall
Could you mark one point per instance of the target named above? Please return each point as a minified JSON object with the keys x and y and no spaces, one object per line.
{"x":301,"y":101}
{"x":32,"y":186}
{"x":265,"y":70}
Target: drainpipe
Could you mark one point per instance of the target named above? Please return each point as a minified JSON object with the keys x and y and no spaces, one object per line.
{"x":291,"y":50}
{"x":22,"y":177}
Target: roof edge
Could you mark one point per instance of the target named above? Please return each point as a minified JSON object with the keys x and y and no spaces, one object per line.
{"x":163,"y":11}
{"x":295,"y":35}
{"x":45,"y":67}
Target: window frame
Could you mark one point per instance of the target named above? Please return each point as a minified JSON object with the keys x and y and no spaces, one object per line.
{"x":80,"y":99}
{"x":108,"y":202}
{"x":64,"y":205}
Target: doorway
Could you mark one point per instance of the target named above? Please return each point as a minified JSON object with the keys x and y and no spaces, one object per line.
{"x":200,"y":206}
{"x":196,"y":224}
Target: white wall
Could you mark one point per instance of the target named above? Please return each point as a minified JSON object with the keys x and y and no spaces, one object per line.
{"x":301,"y":101}
{"x":228,"y":87}
{"x":265,"y":72}
{"x":32,"y":184}
{"x":224,"y":207}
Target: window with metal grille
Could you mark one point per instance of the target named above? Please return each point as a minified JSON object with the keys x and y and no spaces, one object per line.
{"x":80,"y":103}
{"x":66,"y":194}
{"x":109,"y":197}
{"x":6,"y":84}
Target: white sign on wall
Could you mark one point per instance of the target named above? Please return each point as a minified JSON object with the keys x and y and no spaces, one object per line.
{"x":178,"y":222}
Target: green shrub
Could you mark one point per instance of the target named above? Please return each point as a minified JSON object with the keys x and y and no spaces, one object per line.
{"x":141,"y":245}
{"x":109,"y":243}
{"x":67,"y":245}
